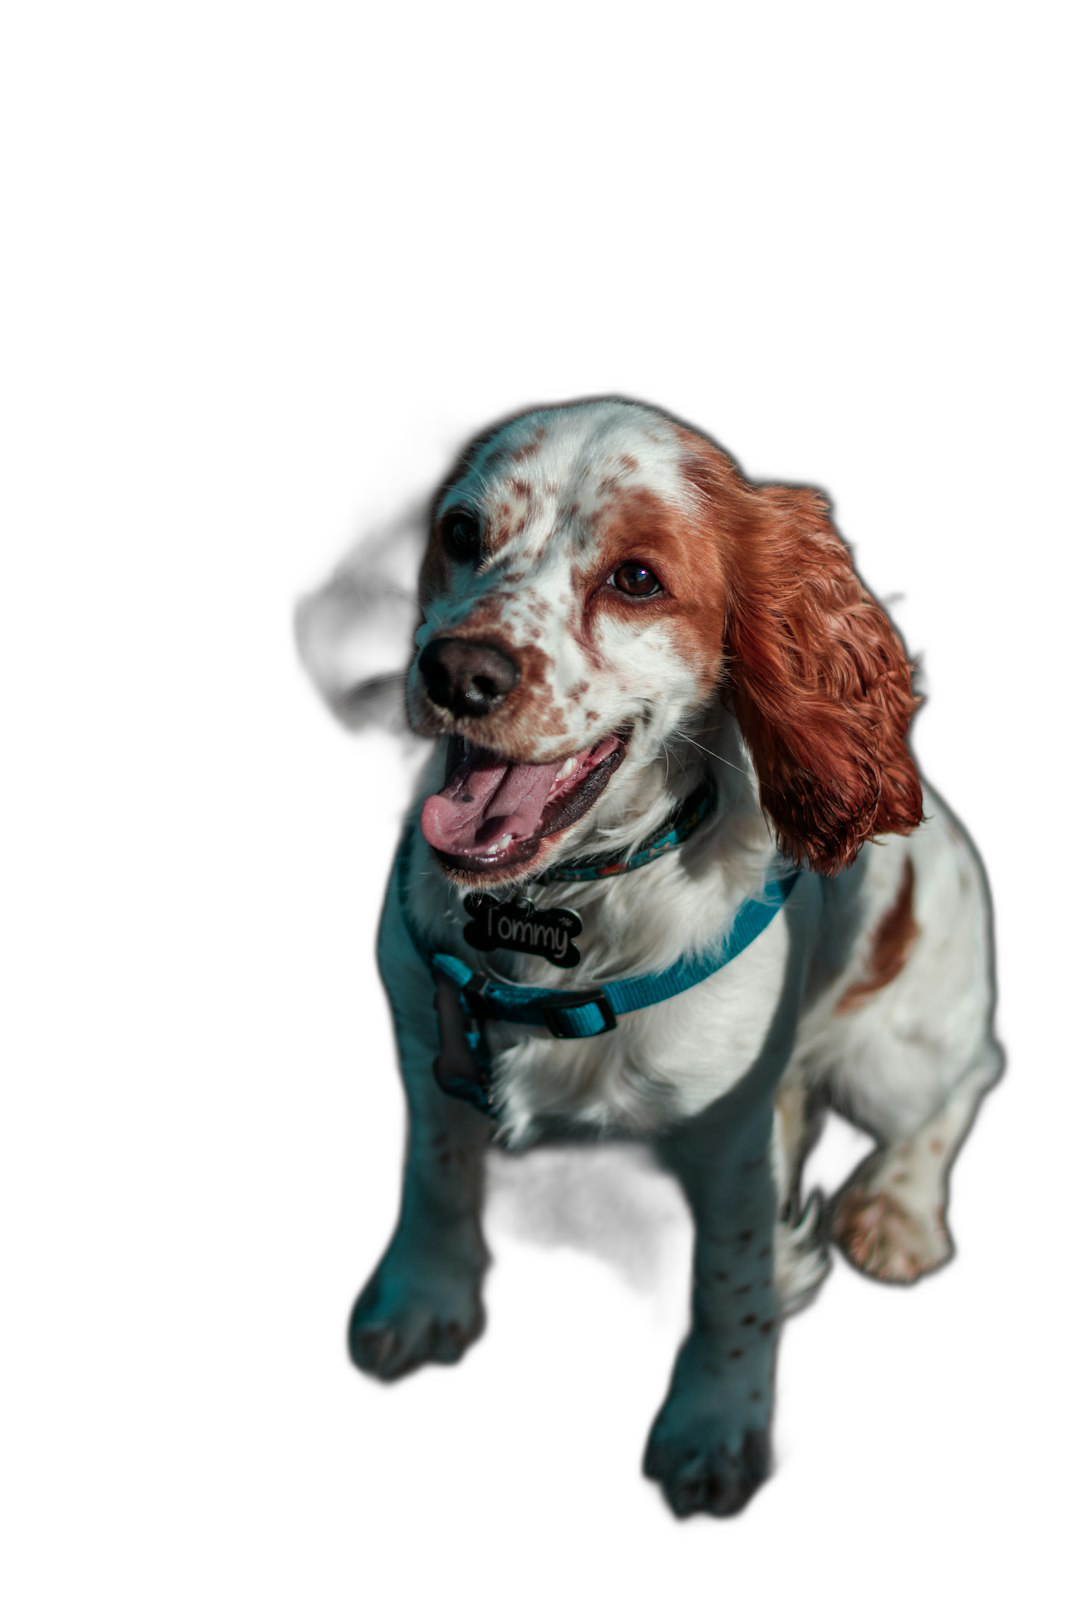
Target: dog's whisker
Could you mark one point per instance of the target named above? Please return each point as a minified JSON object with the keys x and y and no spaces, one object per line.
{"x":400,"y":592}
{"x":697,"y":745}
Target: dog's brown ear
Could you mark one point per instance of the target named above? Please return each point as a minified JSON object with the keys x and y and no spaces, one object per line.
{"x":354,"y":634}
{"x":821,"y":682}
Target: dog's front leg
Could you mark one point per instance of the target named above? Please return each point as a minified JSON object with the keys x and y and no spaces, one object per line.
{"x":422,"y":1303}
{"x":709,"y":1446}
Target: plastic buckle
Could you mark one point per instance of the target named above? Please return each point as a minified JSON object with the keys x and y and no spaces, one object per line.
{"x":583,"y":1000}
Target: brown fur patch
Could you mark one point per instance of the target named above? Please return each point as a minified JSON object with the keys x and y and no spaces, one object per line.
{"x":894,"y":938}
{"x":821,"y":683}
{"x":637,"y":524}
{"x":530,"y":448}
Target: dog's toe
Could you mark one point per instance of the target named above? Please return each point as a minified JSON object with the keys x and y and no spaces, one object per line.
{"x":398,"y":1326}
{"x":884,"y":1237}
{"x":707,"y":1475}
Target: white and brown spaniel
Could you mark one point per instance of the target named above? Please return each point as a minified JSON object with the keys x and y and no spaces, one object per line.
{"x":671,"y":756}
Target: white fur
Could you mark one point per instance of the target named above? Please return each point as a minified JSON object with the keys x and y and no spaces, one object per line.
{"x":710,"y":1085}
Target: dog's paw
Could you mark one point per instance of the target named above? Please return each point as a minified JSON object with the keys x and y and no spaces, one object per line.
{"x":706,"y":1465}
{"x":884,"y":1237}
{"x":402,"y":1321}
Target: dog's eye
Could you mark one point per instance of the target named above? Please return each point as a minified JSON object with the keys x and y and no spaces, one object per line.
{"x":461,"y":536}
{"x":634,"y":580}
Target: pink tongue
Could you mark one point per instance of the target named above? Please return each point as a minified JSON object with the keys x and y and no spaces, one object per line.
{"x":485,"y":799}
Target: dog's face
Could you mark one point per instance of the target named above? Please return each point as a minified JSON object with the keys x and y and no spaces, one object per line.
{"x":594,"y":575}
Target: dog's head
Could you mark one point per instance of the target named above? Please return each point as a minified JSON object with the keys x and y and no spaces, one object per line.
{"x":596,"y":574}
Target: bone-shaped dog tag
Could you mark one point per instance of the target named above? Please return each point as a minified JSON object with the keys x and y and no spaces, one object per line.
{"x":520,"y":926}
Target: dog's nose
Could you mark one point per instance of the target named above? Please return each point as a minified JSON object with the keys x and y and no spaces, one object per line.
{"x":468,"y":679}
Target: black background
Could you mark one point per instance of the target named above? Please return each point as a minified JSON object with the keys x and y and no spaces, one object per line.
{"x":895,"y":1407}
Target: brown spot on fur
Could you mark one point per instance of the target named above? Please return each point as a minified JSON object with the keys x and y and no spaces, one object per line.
{"x":530,"y":448}
{"x":748,"y":1319}
{"x":937,"y":1146}
{"x":893,"y":940}
{"x":500,"y":527}
{"x":735,"y":1353}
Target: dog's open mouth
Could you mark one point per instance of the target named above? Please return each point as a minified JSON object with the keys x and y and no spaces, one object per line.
{"x":493,"y":814}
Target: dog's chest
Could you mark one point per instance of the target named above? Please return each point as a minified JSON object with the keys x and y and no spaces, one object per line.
{"x":659,"y":1065}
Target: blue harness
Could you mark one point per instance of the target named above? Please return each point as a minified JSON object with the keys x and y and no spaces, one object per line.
{"x":466,"y":998}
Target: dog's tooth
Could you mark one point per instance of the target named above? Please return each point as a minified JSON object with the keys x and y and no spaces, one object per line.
{"x":500,"y":845}
{"x":566,"y":769}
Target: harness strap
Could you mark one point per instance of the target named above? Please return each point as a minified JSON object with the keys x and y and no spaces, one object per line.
{"x":465,"y":998}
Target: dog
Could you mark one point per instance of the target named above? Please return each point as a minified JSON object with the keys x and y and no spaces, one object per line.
{"x":672,"y":876}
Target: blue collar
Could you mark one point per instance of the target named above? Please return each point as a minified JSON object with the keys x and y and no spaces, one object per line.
{"x":587,"y":1012}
